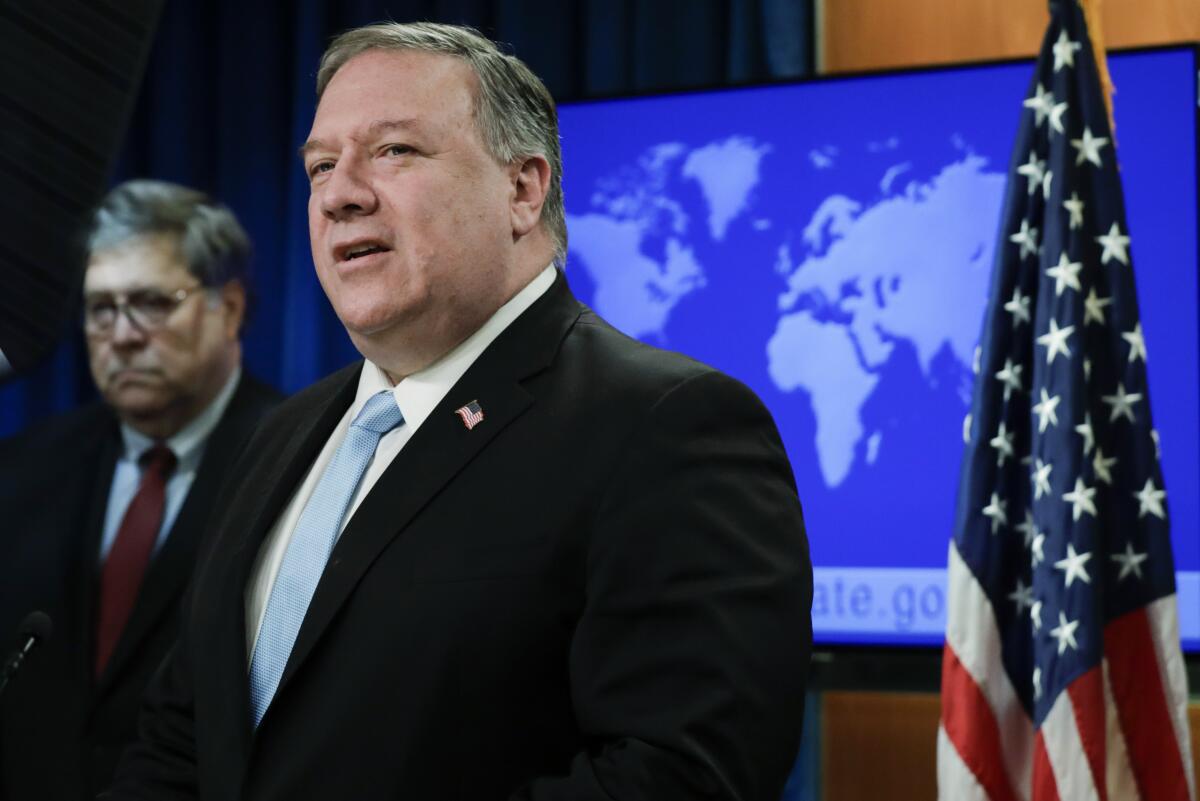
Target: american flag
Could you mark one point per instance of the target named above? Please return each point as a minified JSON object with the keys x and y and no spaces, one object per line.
{"x":1062,"y":676}
{"x":471,"y":414}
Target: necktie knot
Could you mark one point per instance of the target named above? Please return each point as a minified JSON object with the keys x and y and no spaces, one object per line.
{"x":158,"y":458}
{"x":380,"y":414}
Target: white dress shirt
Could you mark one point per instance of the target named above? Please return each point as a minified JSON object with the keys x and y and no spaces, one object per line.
{"x":188,"y":447}
{"x":416,"y":395}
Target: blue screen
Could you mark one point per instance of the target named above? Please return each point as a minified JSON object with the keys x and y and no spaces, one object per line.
{"x":830,"y":244}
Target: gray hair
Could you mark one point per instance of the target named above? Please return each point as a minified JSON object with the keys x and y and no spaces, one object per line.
{"x":514,"y":112}
{"x":214,"y":246}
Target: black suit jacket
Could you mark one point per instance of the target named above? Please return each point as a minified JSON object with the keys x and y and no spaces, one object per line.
{"x":602,"y":591}
{"x":61,"y":731}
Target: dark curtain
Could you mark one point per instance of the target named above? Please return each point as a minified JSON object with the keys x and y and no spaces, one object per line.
{"x":228,"y":97}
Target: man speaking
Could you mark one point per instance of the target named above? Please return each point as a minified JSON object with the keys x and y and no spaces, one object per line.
{"x":511,"y":554}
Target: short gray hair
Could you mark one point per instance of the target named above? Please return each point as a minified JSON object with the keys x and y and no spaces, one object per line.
{"x":214,"y":246}
{"x":514,"y":112}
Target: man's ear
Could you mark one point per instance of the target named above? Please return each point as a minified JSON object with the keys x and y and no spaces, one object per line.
{"x":233,"y":303}
{"x":531,"y":183}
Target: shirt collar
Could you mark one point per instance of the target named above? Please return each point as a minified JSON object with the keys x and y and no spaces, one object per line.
{"x":419,"y":393}
{"x":188,"y":442}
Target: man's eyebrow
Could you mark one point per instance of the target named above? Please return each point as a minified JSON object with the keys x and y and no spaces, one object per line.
{"x":383,"y":126}
{"x":309,"y":147}
{"x":374,"y":129}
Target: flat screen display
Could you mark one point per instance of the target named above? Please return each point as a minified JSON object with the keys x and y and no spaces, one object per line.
{"x":830,"y":244}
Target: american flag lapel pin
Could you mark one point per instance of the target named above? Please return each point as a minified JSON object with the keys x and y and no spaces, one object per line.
{"x":471,"y":414}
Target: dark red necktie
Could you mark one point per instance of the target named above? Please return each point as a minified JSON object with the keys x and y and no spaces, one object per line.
{"x":130,"y":554}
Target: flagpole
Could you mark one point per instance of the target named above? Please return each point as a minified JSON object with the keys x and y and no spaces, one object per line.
{"x":1093,"y":17}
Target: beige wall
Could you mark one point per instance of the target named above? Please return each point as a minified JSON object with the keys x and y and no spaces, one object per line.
{"x":874,"y":34}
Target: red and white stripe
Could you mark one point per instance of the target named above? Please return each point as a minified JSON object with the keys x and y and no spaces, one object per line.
{"x":1119,"y":732}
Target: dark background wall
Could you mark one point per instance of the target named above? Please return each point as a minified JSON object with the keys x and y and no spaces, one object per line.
{"x":228,"y":97}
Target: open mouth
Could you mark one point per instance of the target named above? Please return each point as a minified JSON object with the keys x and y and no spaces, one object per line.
{"x":350,"y":253}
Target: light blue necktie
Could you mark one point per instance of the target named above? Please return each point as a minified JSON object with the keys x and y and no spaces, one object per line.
{"x":306,"y":555}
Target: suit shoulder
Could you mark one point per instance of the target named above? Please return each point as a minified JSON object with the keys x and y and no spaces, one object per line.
{"x":254,"y":399}
{"x":301,"y":404}
{"x":88,"y":421}
{"x":259,"y":392}
{"x":631,"y":367}
{"x":45,"y":458}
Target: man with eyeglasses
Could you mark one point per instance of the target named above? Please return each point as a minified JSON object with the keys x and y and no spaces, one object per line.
{"x":103,"y":508}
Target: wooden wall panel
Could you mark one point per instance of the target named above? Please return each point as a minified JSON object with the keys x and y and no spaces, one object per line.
{"x":874,"y":34}
{"x":879,"y":746}
{"x":884,"y":745}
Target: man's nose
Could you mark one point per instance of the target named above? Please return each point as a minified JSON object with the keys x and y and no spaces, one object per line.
{"x":347,"y":191}
{"x":125,"y":332}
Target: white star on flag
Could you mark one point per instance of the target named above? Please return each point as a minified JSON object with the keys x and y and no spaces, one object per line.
{"x":1033,"y":170}
{"x":1037,"y":681}
{"x":1115,"y":244}
{"x":1089,"y":148}
{"x":1075,"y":207}
{"x":1122,"y":403}
{"x":1055,"y":340}
{"x":1041,"y":103}
{"x":1150,"y":500}
{"x":1018,"y":307}
{"x":1093,"y":307}
{"x":1041,"y":479}
{"x":1084,"y":430}
{"x":1137,"y":344}
{"x":1022,"y":596}
{"x":1056,"y":115}
{"x":1064,"y":52}
{"x":1027,"y":239}
{"x":1130,"y":562}
{"x":1028,"y":529}
{"x":1081,"y":501}
{"x":1103,"y":466}
{"x":1064,"y":632}
{"x":1002,"y":442}
{"x":995,"y":510}
{"x":1036,"y":549}
{"x":1065,"y":274}
{"x":1010,"y":376}
{"x":1045,"y":410}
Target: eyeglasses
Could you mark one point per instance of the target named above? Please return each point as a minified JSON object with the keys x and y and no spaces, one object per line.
{"x":148,"y":309}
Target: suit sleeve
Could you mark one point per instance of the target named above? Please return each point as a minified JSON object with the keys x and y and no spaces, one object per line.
{"x":689,"y":662}
{"x":161,"y":764}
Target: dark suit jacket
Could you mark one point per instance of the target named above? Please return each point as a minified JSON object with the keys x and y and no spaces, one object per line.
{"x":602,"y":591}
{"x":61,"y":731}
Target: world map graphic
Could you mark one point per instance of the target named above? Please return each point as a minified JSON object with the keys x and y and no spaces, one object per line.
{"x":830,"y":245}
{"x":848,"y":283}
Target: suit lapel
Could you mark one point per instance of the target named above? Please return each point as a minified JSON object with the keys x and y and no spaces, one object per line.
{"x":172,"y":566}
{"x":301,"y":439}
{"x":304,"y":440}
{"x":437,"y":452}
{"x":227,"y":561}
{"x":83,"y":574}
